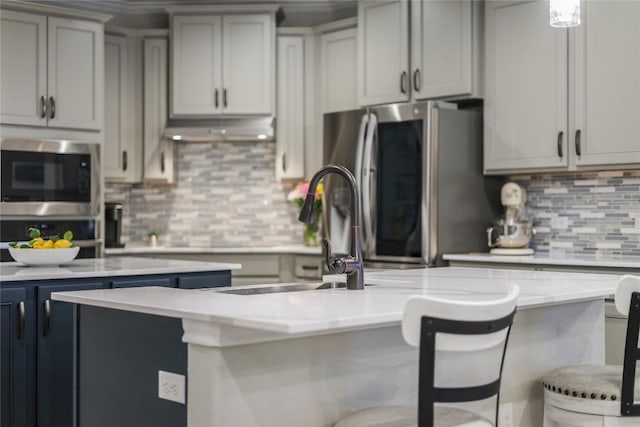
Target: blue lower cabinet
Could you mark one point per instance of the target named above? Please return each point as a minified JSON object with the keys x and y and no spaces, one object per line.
{"x":56,"y":354}
{"x":16,"y":338}
{"x":204,"y":280}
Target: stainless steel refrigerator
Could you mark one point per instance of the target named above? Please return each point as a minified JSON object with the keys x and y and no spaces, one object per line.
{"x":419,"y":171}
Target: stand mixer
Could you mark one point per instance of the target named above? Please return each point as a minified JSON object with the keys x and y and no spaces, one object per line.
{"x":510,"y":235}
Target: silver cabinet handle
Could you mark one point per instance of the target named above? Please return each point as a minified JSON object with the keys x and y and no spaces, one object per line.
{"x":284,"y":162}
{"x":21,"y":319}
{"x":417,"y":80}
{"x":559,"y":143}
{"x":224,"y":98}
{"x":215,"y":96}
{"x":162,"y":162}
{"x":125,"y":160}
{"x":43,"y":107}
{"x":46,"y":327}
{"x":578,"y":143}
{"x":52,"y":108}
{"x":403,"y":82}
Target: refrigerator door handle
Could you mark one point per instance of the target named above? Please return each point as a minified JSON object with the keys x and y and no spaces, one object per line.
{"x":365,"y":189}
{"x":364,"y":124}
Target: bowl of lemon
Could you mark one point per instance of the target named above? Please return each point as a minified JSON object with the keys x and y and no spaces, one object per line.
{"x":54,"y":250}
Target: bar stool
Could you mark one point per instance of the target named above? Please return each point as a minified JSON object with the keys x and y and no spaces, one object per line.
{"x":602,"y":396}
{"x":470,"y":334}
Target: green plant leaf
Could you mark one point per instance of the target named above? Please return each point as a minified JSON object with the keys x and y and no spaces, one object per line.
{"x":68,"y":235}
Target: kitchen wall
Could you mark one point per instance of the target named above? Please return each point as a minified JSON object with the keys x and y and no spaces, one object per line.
{"x":579,"y":214}
{"x":225,"y":194}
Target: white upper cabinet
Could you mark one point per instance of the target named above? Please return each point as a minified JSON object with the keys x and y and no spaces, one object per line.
{"x":290,"y":107}
{"x":383,"y":51}
{"x":116,"y":160}
{"x":158,"y":151}
{"x":338,"y":54}
{"x":605,"y":119}
{"x":559,"y":99}
{"x":443,"y":53}
{"x":525,"y":106}
{"x":222,"y":64}
{"x":52,"y":71}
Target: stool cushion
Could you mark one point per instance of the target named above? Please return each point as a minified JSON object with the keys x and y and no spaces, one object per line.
{"x":407,"y":416}
{"x":588,"y":389}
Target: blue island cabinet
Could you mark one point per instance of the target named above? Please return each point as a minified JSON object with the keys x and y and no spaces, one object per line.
{"x":38,"y":343}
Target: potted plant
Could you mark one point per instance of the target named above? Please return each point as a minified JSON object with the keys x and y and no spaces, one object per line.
{"x":153,"y":238}
{"x":297,"y":195}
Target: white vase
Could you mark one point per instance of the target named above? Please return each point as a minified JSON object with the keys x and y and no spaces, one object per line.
{"x":153,"y":241}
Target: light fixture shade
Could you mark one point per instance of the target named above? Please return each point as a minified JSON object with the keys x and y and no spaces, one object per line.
{"x":564,"y":13}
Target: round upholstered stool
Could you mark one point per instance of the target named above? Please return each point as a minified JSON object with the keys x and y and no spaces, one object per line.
{"x":406,"y":416}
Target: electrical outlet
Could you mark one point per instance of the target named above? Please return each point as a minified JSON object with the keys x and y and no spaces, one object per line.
{"x":505,"y":415}
{"x":171,"y":386}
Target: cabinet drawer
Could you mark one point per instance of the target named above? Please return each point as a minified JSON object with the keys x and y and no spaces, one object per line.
{"x":134,"y":283}
{"x":205,"y":280}
{"x":308,"y":267}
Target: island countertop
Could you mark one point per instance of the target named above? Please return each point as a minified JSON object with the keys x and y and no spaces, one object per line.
{"x":107,"y":267}
{"x":631,"y":263}
{"x":323,"y":311}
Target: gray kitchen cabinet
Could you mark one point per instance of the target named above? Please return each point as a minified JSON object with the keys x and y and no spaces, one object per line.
{"x":51,"y":71}
{"x":550,"y":91}
{"x":122,"y":146}
{"x":235,"y":53}
{"x":419,"y":49}
{"x":338,"y":75}
{"x":290,"y":107}
{"x":158,"y":151}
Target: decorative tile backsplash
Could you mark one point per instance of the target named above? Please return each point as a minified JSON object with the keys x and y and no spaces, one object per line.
{"x":225,"y":194}
{"x":585,"y":214}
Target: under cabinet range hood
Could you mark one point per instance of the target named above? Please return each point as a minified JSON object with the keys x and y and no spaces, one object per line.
{"x":226,"y":129}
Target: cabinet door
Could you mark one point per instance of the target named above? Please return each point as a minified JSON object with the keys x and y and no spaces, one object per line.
{"x":290,"y":101}
{"x":339,"y":70}
{"x":383,"y":53}
{"x":23,"y":68}
{"x":525,"y":107}
{"x":13,"y":353}
{"x":116,"y":161}
{"x":196,"y":78}
{"x":441,"y":48}
{"x":248,"y":64}
{"x":158,"y":151}
{"x":56,"y":355}
{"x":606,"y":84}
{"x":75,"y":74}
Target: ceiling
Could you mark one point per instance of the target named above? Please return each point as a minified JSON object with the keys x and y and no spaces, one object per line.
{"x":152,"y":14}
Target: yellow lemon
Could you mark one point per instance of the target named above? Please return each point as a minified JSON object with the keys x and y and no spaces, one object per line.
{"x":37,"y":245}
{"x":62,"y":244}
{"x":48,"y":244}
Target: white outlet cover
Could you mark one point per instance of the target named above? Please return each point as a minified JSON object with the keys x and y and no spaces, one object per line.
{"x":171,"y":387}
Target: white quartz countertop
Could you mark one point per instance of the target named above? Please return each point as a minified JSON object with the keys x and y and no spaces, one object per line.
{"x":103,"y":267}
{"x":546,"y":259}
{"x":322,"y":311}
{"x":282,"y":249}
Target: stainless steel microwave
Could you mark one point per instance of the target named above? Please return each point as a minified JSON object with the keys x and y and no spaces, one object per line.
{"x":48,"y":178}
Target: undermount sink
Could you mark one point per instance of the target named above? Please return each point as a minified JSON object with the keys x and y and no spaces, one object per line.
{"x":285,"y":287}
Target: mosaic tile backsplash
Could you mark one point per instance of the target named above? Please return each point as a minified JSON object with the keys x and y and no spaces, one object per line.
{"x":226,"y":194}
{"x":585,"y":214}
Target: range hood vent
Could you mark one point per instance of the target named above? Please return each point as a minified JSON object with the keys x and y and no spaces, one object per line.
{"x":207,"y":130}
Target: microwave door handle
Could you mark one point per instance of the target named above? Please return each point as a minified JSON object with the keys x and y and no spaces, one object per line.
{"x":365,"y":190}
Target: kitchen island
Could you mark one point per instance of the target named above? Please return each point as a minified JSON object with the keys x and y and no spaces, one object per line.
{"x":37,"y":347}
{"x":311,"y":357}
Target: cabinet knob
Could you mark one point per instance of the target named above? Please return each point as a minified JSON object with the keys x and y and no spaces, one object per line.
{"x":559,"y":143}
{"x":578,"y":143}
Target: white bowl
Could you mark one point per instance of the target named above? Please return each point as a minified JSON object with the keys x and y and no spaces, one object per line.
{"x":44,"y":256}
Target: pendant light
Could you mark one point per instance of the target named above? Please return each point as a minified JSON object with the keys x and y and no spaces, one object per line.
{"x":564,"y":13}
